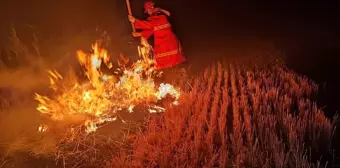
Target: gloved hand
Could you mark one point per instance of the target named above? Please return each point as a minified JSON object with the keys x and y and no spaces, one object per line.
{"x":136,"y":34}
{"x":131,"y":19}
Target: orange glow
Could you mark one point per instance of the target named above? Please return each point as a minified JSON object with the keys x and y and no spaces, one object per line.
{"x":98,"y":100}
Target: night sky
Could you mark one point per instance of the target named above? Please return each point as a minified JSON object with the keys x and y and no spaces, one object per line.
{"x":307,"y":33}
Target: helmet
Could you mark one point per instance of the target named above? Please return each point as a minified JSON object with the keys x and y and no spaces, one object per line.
{"x":148,"y":5}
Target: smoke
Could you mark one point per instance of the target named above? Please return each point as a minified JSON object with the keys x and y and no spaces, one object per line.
{"x":24,"y":63}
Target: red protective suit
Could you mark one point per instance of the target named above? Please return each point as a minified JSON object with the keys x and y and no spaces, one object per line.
{"x":167,"y":48}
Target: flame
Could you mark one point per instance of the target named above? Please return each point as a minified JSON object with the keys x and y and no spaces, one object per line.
{"x":42,"y":128}
{"x":99,"y":99}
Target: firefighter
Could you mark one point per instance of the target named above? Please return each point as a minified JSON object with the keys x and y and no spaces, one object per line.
{"x":167,"y":48}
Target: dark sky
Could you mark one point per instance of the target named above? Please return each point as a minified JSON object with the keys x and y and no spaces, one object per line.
{"x":304,"y":21}
{"x":308,"y":33}
{"x":218,"y":14}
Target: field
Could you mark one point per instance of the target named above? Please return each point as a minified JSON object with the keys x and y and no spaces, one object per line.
{"x":244,"y":112}
{"x":236,"y":115}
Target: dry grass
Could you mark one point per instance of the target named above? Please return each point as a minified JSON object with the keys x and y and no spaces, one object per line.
{"x":60,"y":145}
{"x":259,"y":115}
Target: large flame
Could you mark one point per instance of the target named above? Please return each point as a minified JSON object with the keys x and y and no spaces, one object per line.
{"x":98,"y":100}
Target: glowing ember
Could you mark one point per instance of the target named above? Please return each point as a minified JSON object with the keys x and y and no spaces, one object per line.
{"x":42,"y":128}
{"x":98,"y":100}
